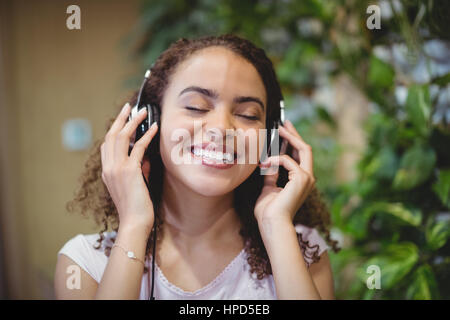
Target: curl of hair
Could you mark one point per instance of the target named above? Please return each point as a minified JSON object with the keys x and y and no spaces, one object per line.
{"x":93,"y":199}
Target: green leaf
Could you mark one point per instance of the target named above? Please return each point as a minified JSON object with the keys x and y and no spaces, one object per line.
{"x":442,"y":187}
{"x":368,"y":294}
{"x":344,"y":257}
{"x":295,"y":67}
{"x":381,"y":74}
{"x":411,"y":216}
{"x":325,"y":116}
{"x":442,"y":80}
{"x":383,"y":165}
{"x":357,"y":223}
{"x":418,"y":108}
{"x":437,"y":234}
{"x":395,"y":262}
{"x":416,"y":166}
{"x":424,"y":285}
{"x":344,"y":263}
{"x":337,"y":207}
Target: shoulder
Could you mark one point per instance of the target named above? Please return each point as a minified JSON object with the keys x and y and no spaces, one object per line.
{"x":82,"y":249}
{"x":311,"y":242}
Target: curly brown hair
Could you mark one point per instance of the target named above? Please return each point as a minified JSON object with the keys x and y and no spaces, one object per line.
{"x":93,"y":197}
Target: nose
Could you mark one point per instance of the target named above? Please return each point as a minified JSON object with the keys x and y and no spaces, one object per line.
{"x":217,"y":123}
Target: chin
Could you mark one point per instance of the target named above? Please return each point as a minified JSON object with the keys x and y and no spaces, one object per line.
{"x":209,"y":181}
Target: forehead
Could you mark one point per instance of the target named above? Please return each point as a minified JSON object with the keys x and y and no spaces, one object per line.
{"x":220,"y":69}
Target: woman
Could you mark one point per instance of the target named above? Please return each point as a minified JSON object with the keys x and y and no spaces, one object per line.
{"x":222,"y":232}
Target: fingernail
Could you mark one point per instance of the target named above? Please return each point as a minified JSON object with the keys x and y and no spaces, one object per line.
{"x":154,"y":124}
{"x":125,"y":106}
{"x":143,"y":110}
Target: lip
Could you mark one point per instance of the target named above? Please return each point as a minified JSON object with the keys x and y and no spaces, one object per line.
{"x":212,"y":163}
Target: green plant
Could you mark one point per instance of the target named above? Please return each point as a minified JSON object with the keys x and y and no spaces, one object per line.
{"x":395,"y":214}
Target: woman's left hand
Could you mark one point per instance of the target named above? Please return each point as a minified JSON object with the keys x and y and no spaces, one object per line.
{"x":283,"y":203}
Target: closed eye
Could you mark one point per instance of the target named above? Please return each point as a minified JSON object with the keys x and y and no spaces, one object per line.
{"x":195,"y":109}
{"x":253,"y":118}
{"x":198,"y":110}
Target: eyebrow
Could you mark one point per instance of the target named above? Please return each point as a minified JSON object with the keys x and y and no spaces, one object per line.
{"x":214,"y":95}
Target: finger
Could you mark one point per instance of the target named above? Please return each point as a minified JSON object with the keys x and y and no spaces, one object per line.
{"x":304,"y":150}
{"x":296,"y":156}
{"x":120,"y":120}
{"x":285,"y":161}
{"x":291,"y":128}
{"x":122,"y":141}
{"x":113,"y":130}
{"x":271,"y":174}
{"x":131,"y":126}
{"x":296,"y":175}
{"x":141,"y":145}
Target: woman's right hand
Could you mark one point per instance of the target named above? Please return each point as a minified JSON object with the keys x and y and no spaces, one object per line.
{"x":122,"y":174}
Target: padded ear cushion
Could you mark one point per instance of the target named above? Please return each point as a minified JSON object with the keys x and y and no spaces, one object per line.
{"x":154,"y":115}
{"x":140,"y":130}
{"x":271,"y":137}
{"x":149,"y":116}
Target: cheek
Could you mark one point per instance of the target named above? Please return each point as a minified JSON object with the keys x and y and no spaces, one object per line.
{"x":173,"y":137}
{"x":254,"y":145}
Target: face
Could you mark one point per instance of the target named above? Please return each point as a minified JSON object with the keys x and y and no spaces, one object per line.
{"x":215,"y":102}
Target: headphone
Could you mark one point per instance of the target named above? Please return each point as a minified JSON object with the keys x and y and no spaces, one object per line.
{"x":153,"y":115}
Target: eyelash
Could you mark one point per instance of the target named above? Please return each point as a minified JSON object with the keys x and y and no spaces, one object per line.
{"x":251,"y":118}
{"x":195,"y":109}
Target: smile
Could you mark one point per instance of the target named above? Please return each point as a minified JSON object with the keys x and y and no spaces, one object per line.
{"x":216,"y":159}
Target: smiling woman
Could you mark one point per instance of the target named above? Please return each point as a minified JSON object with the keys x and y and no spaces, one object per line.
{"x":258,"y":234}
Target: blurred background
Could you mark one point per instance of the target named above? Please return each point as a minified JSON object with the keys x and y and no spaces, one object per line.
{"x":366,"y":84}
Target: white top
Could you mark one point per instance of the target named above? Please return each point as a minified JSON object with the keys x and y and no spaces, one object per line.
{"x":234,"y":282}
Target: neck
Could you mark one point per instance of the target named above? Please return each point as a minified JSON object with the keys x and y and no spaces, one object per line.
{"x":192,"y":220}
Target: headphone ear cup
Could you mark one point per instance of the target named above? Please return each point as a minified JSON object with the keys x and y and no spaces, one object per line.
{"x":156,"y":115}
{"x":153,"y":116}
{"x":272,"y":136}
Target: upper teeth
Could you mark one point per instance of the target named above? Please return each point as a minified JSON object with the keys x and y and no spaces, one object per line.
{"x":213,"y":155}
